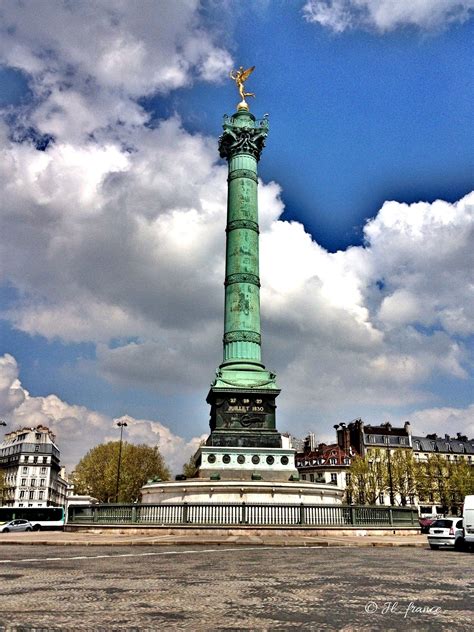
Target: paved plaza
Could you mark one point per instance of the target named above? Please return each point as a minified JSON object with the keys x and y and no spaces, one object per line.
{"x":234,"y":588}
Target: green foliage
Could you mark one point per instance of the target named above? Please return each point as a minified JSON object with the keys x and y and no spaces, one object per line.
{"x":434,"y":480}
{"x":96,"y":472}
{"x":443,"y":482}
{"x":368,"y":477}
{"x":190,"y":468}
{"x":403,"y":471}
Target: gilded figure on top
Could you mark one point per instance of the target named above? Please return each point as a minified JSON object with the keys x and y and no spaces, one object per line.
{"x":240,"y":76}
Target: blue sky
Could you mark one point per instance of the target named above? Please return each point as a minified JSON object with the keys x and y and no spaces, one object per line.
{"x":112,"y":248}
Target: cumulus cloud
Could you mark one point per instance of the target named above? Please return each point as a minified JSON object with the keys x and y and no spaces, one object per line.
{"x":373,"y":323}
{"x":114,"y":235}
{"x":386,"y":15}
{"x":88,"y":62}
{"x":444,"y":420}
{"x":79,"y":429}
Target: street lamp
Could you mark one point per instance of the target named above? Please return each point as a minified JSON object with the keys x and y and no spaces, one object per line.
{"x":121,"y":425}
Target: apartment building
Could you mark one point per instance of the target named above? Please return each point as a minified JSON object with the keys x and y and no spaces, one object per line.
{"x":29,"y":458}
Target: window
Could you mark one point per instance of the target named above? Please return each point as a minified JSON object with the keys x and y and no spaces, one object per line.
{"x":348,"y":479}
{"x":33,"y":482}
{"x":45,"y":459}
{"x":40,"y":495}
{"x":333,"y":477}
{"x":25,"y":470}
{"x":38,"y":436}
{"x":35,"y":459}
{"x":303,"y":476}
{"x":23,"y":482}
{"x":311,"y":478}
{"x":42,"y":482}
{"x":43,"y":470}
{"x":32,"y":495}
{"x":333,"y":461}
{"x":37,"y":448}
{"x":20,"y":504}
{"x":381,"y":499}
{"x":347,"y":461}
{"x":22,"y":494}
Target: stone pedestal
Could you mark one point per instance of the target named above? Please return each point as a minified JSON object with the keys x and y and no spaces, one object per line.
{"x":247,"y":463}
{"x":243,"y":418}
{"x":197,"y":491}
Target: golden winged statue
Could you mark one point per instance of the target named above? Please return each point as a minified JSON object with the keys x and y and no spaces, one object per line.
{"x":240,"y":76}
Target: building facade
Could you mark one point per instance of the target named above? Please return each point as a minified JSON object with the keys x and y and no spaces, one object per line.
{"x":29,"y":458}
{"x":391,"y":472}
{"x":451,"y":448}
{"x":324,"y":464}
{"x":362,"y":437}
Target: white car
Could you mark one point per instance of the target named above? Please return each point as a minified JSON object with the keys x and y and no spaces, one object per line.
{"x":16,"y":525}
{"x":446,"y":532}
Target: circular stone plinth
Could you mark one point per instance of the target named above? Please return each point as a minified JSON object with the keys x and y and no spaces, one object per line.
{"x":206,"y":491}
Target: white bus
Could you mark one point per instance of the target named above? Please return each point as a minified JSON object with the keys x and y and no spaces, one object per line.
{"x":42,"y":518}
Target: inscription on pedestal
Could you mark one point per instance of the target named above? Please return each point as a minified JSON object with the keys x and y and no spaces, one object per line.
{"x":248,"y":411}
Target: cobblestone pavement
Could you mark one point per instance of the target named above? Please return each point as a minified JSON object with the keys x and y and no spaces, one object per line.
{"x":51,"y":588}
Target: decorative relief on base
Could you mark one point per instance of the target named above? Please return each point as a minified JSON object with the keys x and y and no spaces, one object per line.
{"x":242,"y":336}
{"x":242,"y":223}
{"x":242,"y":277}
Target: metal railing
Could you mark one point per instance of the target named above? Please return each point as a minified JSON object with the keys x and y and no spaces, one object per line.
{"x":251,"y":514}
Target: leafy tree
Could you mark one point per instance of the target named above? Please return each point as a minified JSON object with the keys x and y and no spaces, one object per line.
{"x":403,"y":468}
{"x":461,"y":482}
{"x":367,"y":478}
{"x":96,"y":472}
{"x":190,"y":468}
{"x":444,"y":482}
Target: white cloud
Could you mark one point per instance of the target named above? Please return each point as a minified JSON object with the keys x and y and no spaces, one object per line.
{"x":88,"y":63}
{"x":79,"y":429}
{"x":444,"y":420}
{"x":386,"y":15}
{"x":115,"y":235}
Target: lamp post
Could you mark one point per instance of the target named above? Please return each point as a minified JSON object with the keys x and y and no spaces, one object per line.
{"x":121,"y":425}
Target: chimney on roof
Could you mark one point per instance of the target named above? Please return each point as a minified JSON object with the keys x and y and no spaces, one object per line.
{"x":407,"y":427}
{"x":344,"y":437}
{"x":446,"y":437}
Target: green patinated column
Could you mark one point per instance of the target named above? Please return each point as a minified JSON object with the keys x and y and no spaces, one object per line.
{"x":242,"y":396}
{"x":241,"y":145}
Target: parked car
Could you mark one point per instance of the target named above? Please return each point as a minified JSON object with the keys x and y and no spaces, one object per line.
{"x":427,"y":515}
{"x":16,"y":525}
{"x":446,"y":532}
